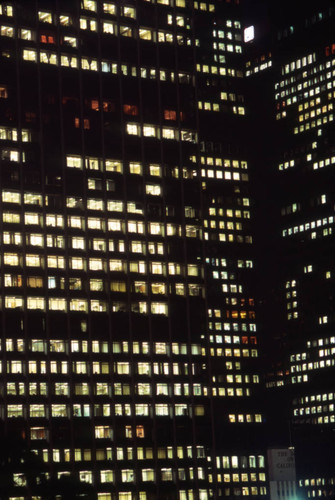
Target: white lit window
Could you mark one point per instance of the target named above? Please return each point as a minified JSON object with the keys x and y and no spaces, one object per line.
{"x":74,"y":162}
{"x":133,"y":129}
{"x":29,"y":55}
{"x":153,"y":189}
{"x":149,"y":131}
{"x":89,"y":5}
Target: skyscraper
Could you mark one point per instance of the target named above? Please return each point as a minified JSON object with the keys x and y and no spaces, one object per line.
{"x":295,"y":63}
{"x":129,"y":349}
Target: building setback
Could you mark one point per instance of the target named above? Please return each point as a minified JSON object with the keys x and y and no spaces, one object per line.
{"x":129,"y":352}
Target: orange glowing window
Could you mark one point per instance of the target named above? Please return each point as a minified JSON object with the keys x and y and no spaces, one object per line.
{"x":108,"y":106}
{"x":77,"y":122}
{"x":140,"y":431}
{"x":130,"y":109}
{"x":170,"y":114}
{"x":87,"y":125}
{"x":47,"y":39}
{"x":95,"y":104}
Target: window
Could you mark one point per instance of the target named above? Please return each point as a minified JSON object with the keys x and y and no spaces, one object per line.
{"x":7,"y":31}
{"x":153,"y":189}
{"x":109,"y":8}
{"x":89,"y":5}
{"x":113,"y":165}
{"x":47,"y":39}
{"x":133,"y":129}
{"x":3,"y":92}
{"x":130,"y":109}
{"x":34,"y":282}
{"x":71,"y":41}
{"x":45,"y":17}
{"x":145,"y":34}
{"x":135,"y":168}
{"x":74,"y":162}
{"x":149,"y":131}
{"x":155,"y":170}
{"x":64,"y":20}
{"x":29,"y":55}
{"x":109,"y":27}
{"x":170,"y":114}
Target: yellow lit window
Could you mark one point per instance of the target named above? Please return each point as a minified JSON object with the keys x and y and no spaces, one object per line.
{"x":45,"y":17}
{"x":89,"y":5}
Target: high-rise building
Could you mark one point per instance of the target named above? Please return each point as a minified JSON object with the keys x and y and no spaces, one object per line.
{"x":129,"y":351}
{"x":294,"y":66}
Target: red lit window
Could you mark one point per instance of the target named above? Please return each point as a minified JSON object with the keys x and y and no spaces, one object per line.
{"x":170,"y":114}
{"x":47,"y":39}
{"x":333,"y":48}
{"x":253,"y":340}
{"x":76,"y":122}
{"x":327,"y":51}
{"x":245,"y":340}
{"x":130,"y":109}
{"x":182,"y":116}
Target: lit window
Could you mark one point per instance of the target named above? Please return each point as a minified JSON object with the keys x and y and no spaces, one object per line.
{"x":7,"y":31}
{"x":36,"y":303}
{"x":135,"y":168}
{"x":159,"y":308}
{"x":170,"y":114}
{"x":130,"y":109}
{"x":29,"y":55}
{"x":149,"y":131}
{"x":169,"y":133}
{"x":109,"y":8}
{"x":153,"y":189}
{"x":13,"y":302}
{"x":11,"y":259}
{"x":133,"y":129}
{"x":57,"y":304}
{"x":74,"y":162}
{"x":89,"y":5}
{"x":45,"y":17}
{"x":145,"y":34}
{"x":113,"y":165}
{"x":126,"y":31}
{"x":71,"y":42}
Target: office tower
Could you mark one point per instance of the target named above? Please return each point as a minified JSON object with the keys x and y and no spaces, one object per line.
{"x":129,"y":342}
{"x":298,"y":63}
